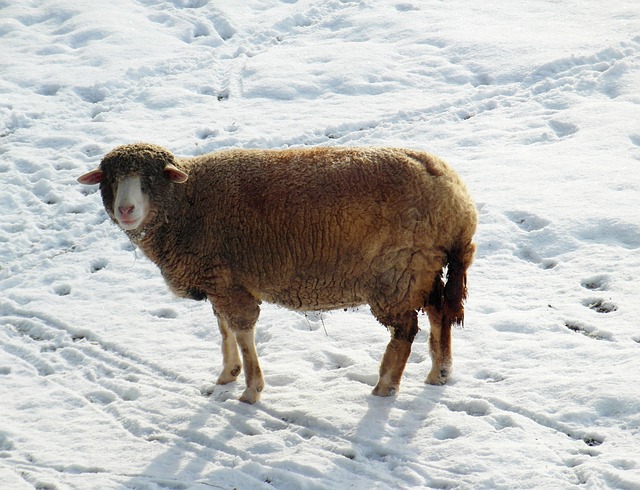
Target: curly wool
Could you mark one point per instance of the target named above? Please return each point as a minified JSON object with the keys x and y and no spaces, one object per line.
{"x":308,"y":229}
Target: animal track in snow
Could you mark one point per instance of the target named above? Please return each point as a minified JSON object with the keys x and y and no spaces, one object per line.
{"x":93,"y":94}
{"x":474,"y":407}
{"x":562,"y":128}
{"x":168,"y":313}
{"x":210,"y":28}
{"x":600,"y":305}
{"x":189,"y":4}
{"x":530,"y":224}
{"x":596,"y":283}
{"x":63,"y":289}
{"x":49,"y":89}
{"x":98,"y":265}
{"x":447,"y":432}
{"x":592,"y":441}
{"x":489,"y":376}
{"x":526,"y":253}
{"x":587,"y":331}
{"x":338,"y":360}
{"x":526,"y":221}
{"x":83,"y":38}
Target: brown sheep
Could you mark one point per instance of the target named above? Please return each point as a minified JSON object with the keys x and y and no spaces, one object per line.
{"x":310,"y":229}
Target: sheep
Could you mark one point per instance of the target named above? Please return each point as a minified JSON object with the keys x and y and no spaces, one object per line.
{"x":311,"y":229}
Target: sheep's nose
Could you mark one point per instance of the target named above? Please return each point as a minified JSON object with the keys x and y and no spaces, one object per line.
{"x":126,"y":210}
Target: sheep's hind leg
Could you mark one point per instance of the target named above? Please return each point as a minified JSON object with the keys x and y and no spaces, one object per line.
{"x":439,"y":347}
{"x":230,"y":357}
{"x":403,"y":330}
{"x":252,"y":371}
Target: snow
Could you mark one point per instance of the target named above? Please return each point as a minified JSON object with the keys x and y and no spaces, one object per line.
{"x":106,"y":379}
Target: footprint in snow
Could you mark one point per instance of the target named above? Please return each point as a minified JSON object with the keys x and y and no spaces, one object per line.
{"x":101,"y":397}
{"x":489,"y":376}
{"x":562,"y":128}
{"x":49,"y":89}
{"x":92,"y":94}
{"x":98,"y":265}
{"x":447,"y":432}
{"x":5,"y":443}
{"x":337,"y":360}
{"x":526,"y":253}
{"x":474,"y":408}
{"x":593,"y":441}
{"x":596,"y":283}
{"x":586,"y":330}
{"x":530,"y":223}
{"x":164,"y":313}
{"x":526,"y":221}
{"x":62,"y":289}
{"x":85,"y":37}
{"x":189,"y":4}
{"x":599,"y":305}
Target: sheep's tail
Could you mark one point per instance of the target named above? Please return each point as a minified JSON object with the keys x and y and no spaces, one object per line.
{"x":450,"y":290}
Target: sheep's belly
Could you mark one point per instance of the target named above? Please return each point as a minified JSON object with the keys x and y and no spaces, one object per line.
{"x":314,"y":298}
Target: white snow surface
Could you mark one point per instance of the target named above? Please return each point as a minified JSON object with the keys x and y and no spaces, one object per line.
{"x":106,"y":378}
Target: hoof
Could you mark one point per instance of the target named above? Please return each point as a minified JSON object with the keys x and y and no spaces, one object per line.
{"x":384,"y":390}
{"x":438,"y":377}
{"x":229,"y":376}
{"x":250,"y":396}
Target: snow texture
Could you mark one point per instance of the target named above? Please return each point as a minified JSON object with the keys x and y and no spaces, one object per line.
{"x":106,"y":379}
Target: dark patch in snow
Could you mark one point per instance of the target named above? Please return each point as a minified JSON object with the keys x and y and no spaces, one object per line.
{"x":586,"y":331}
{"x":596,"y":283}
{"x":98,"y":265}
{"x":592,"y":441}
{"x":600,"y":305}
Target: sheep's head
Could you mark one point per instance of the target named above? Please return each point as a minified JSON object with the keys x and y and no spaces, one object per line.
{"x":133,"y":180}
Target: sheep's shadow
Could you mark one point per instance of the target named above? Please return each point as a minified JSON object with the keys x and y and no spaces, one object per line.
{"x":204,"y":452}
{"x":391,"y":423}
{"x":199,"y":457}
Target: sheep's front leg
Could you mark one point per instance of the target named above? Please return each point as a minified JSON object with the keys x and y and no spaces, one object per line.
{"x":252,"y":371}
{"x":403,"y":330}
{"x":231,"y":365}
{"x":238,"y":312}
{"x":439,"y":347}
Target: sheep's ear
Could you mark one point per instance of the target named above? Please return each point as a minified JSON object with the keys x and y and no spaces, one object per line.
{"x":175,"y":174}
{"x":91,"y":178}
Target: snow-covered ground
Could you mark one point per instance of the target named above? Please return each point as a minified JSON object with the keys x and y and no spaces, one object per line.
{"x":536,"y":104}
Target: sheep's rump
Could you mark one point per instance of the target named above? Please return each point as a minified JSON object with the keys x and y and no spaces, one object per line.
{"x":330,"y":227}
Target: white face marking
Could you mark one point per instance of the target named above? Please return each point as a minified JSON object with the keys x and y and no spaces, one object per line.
{"x":131,"y":205}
